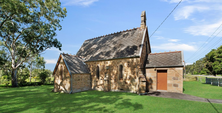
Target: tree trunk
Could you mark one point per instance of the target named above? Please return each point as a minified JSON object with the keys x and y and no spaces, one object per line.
{"x":14,"y":78}
{"x":30,"y":72}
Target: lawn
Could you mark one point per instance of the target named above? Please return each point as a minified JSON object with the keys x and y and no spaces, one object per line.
{"x":202,"y":90}
{"x":41,"y":99}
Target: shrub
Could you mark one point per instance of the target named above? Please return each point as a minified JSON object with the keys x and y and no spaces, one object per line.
{"x":190,"y":78}
{"x":43,"y":75}
{"x":22,"y":78}
{"x":49,"y":80}
{"x":5,"y":80}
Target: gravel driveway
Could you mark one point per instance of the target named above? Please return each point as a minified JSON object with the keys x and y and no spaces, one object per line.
{"x":182,"y":96}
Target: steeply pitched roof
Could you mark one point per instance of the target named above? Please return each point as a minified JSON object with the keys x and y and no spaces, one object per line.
{"x":165,"y":59}
{"x":75,"y":64}
{"x":118,"y":45}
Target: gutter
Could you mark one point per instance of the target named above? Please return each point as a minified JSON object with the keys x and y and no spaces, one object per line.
{"x":69,"y":73}
{"x":184,"y":64}
{"x":113,"y":59}
{"x":164,"y":66}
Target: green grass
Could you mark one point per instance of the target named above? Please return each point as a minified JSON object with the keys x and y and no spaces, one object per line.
{"x":202,"y":90}
{"x":41,"y":99}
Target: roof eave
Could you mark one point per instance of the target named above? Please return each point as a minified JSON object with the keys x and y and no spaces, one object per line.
{"x":164,"y":66}
{"x":56,"y":65}
{"x":142,"y":43}
{"x":66,"y":63}
{"x":80,"y":73}
{"x":113,"y":59}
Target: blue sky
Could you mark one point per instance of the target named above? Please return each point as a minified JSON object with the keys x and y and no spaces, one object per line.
{"x":188,"y":29}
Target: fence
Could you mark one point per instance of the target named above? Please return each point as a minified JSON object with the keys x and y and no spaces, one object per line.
{"x":214,"y":81}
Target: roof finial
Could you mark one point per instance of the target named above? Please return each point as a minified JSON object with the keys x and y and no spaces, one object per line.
{"x":143,"y":20}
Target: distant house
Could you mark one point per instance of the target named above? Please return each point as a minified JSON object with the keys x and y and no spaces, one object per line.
{"x":120,"y":61}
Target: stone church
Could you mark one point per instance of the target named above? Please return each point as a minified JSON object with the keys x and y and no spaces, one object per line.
{"x":120,"y":61}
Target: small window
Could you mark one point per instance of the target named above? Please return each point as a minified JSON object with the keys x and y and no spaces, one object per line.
{"x":121,"y":72}
{"x":61,"y":72}
{"x":97,"y":72}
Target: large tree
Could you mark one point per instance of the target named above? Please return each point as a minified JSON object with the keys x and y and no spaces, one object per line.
{"x":217,"y":64}
{"x":35,"y":62}
{"x":210,"y":64}
{"x":28,"y":27}
{"x":210,"y":60}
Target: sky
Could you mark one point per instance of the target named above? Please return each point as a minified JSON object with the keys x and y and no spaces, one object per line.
{"x":194,"y":26}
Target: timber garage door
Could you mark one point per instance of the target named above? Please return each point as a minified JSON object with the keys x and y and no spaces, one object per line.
{"x":161,"y":79}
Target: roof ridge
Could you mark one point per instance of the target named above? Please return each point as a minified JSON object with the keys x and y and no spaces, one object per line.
{"x":69,"y":55}
{"x":112,"y":33}
{"x":79,"y":57}
{"x":165,"y":52}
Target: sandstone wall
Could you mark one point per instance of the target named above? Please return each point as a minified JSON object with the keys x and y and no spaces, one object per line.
{"x":109,"y":75}
{"x":62,"y":78}
{"x":174,"y":79}
{"x":80,"y":82}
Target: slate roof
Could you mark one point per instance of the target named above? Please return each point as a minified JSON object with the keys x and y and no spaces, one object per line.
{"x":165,"y":59}
{"x":117,"y":45}
{"x":75,"y":64}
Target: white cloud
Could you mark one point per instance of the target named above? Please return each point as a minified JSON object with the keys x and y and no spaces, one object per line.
{"x":168,"y":39}
{"x":204,"y":30}
{"x":188,"y":64}
{"x":78,"y":2}
{"x":51,"y":61}
{"x":173,"y":1}
{"x":186,"y":11}
{"x":208,"y":1}
{"x":173,"y":40}
{"x":53,"y":49}
{"x":159,"y":37}
{"x":58,"y":51}
{"x":194,"y":1}
{"x":174,"y":46}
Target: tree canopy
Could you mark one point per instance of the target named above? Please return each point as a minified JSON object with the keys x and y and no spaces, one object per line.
{"x":211,"y":64}
{"x":28,"y":27}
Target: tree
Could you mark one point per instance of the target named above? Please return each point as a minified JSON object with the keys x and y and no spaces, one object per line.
{"x":35,"y":73}
{"x":28,"y":27}
{"x":210,"y":59}
{"x":23,"y":75}
{"x":217,"y":64}
{"x":36,"y":62}
{"x":3,"y":57}
{"x":210,"y":64}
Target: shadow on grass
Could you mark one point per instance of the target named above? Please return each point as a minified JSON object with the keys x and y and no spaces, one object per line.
{"x":213,"y":106}
{"x":41,"y":98}
{"x":212,"y":85}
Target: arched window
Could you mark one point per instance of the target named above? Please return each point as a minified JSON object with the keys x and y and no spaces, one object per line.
{"x":121,"y":72}
{"x":61,"y":72}
{"x":97,"y":72}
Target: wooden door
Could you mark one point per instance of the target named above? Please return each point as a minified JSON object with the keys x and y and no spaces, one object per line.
{"x":161,"y":79}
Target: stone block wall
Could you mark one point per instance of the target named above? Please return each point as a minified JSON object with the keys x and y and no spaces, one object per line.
{"x":62,"y":78}
{"x":109,"y":74}
{"x":80,"y":82}
{"x":174,"y":79}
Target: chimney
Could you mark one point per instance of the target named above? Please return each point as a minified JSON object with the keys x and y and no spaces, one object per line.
{"x":143,"y":20}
